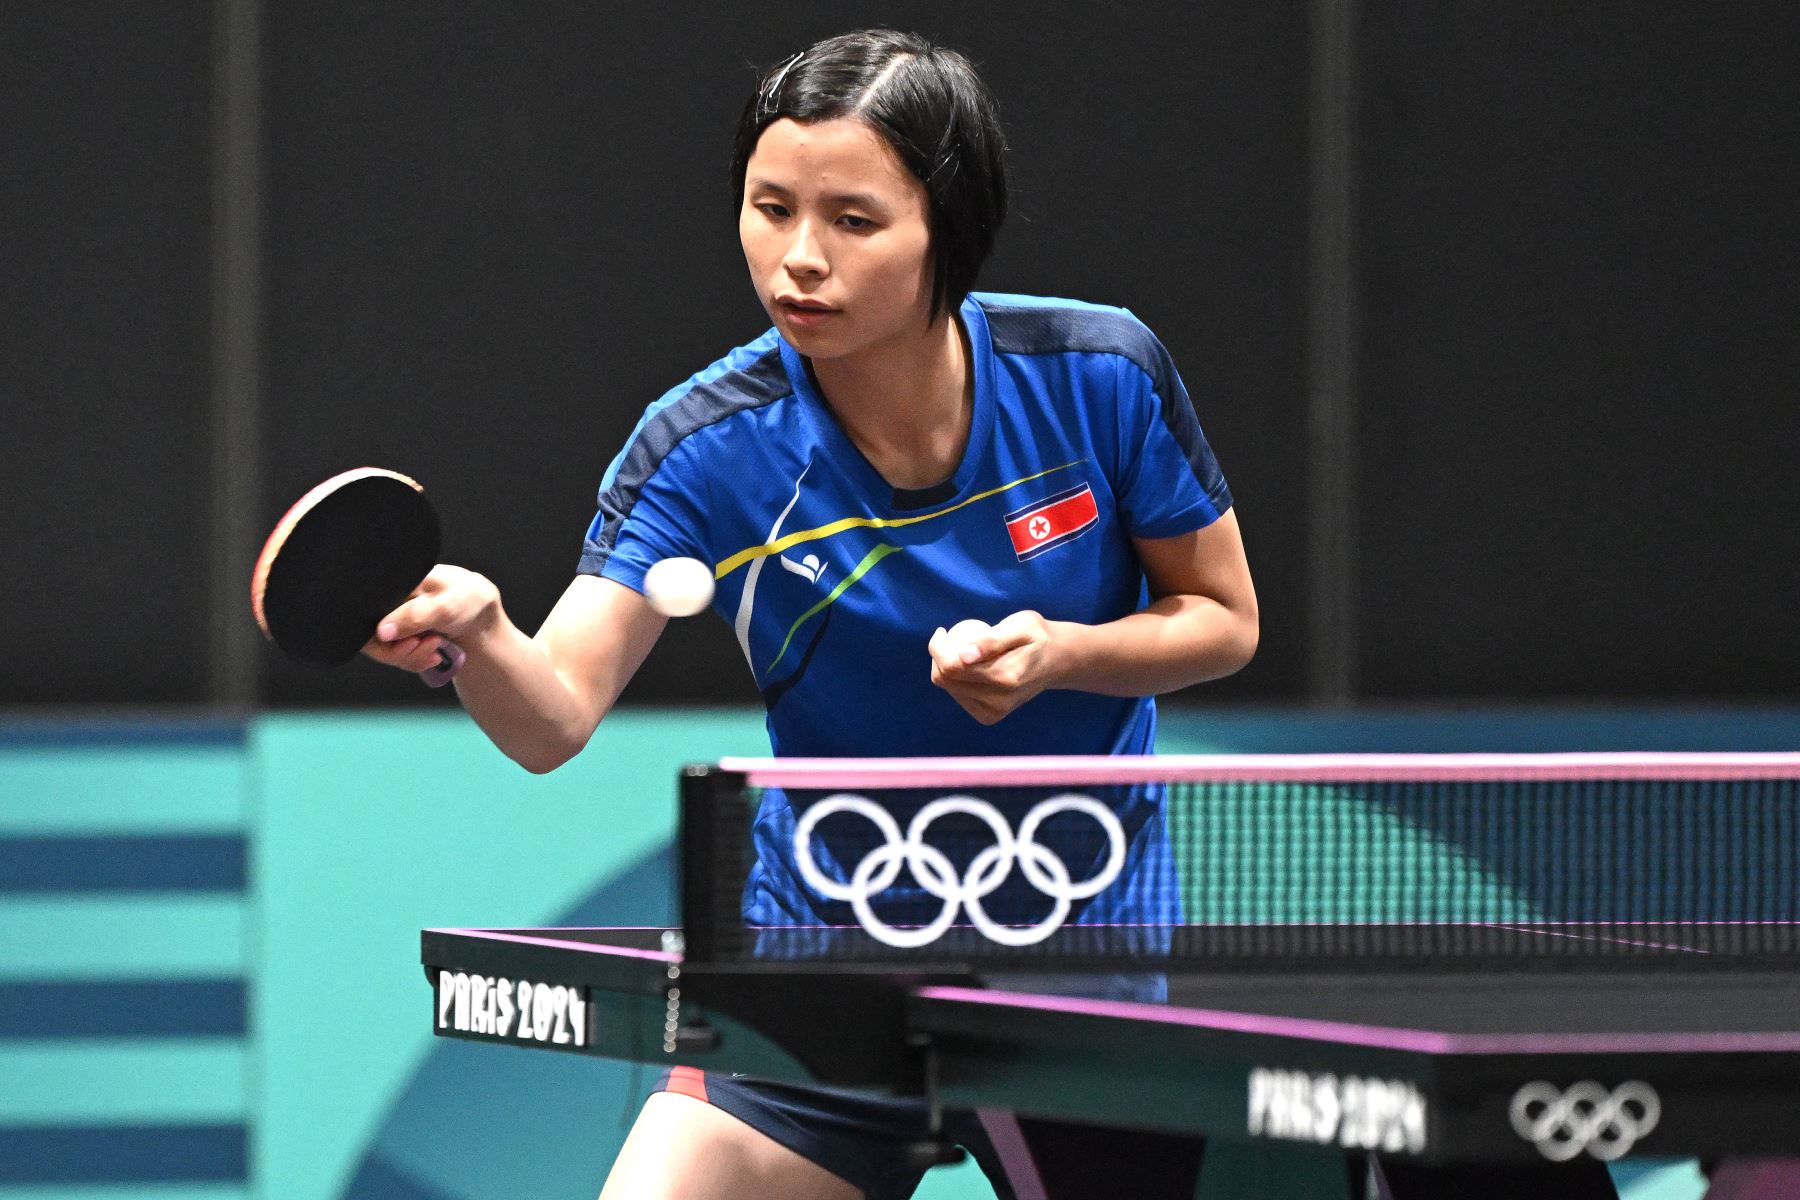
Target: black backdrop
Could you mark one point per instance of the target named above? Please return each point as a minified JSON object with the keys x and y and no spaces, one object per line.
{"x":494,"y":232}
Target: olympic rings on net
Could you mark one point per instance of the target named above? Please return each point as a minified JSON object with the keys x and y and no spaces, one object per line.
{"x":1587,"y":1117}
{"x":936,"y":874}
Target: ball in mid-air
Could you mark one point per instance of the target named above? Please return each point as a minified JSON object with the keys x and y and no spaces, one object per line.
{"x":679,"y":587}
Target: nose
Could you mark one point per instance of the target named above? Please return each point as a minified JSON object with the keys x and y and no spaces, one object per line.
{"x":805,"y":256}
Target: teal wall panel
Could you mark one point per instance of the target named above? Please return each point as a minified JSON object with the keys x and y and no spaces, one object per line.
{"x":137,"y":1081}
{"x":123,"y":936}
{"x":136,"y":787}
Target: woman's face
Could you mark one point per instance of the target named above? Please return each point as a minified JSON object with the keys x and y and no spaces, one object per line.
{"x":836,"y":232}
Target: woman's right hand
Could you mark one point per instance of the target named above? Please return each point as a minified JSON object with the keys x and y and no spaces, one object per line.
{"x":452,"y":604}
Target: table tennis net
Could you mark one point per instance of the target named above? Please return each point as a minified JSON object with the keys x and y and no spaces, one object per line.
{"x":1273,"y":860}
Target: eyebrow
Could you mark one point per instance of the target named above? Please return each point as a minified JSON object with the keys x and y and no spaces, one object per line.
{"x":847,"y":199}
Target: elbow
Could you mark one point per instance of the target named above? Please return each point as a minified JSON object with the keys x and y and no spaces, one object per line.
{"x":1241,"y":646}
{"x":544,"y":756}
{"x":1247,"y":644}
{"x":539,"y":763}
{"x":555,"y":742}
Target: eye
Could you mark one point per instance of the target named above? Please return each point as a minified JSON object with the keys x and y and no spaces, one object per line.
{"x":773,"y":211}
{"x":853,"y":222}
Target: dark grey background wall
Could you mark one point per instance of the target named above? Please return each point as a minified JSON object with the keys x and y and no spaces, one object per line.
{"x":493,"y":232}
{"x":103,"y":360}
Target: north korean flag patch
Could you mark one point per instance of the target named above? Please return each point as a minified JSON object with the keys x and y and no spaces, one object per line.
{"x":1045,"y":524}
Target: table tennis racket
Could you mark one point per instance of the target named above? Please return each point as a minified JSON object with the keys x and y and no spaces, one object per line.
{"x":347,"y":554}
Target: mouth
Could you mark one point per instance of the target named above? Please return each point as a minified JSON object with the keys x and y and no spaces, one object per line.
{"x":794,"y":304}
{"x":804,"y":316}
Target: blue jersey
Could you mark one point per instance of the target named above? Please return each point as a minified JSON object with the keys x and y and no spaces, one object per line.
{"x":1082,"y":438}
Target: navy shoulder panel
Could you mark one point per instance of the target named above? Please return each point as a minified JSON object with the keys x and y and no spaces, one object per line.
{"x":762,"y":382}
{"x":1028,"y":325}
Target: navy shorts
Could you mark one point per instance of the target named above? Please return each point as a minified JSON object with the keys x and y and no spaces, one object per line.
{"x":866,"y":1141}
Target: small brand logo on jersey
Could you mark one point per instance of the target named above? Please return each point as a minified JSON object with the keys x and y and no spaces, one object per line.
{"x":1048,"y":523}
{"x":809,"y":567}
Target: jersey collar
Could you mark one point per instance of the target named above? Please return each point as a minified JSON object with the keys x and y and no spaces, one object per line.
{"x":981,"y":345}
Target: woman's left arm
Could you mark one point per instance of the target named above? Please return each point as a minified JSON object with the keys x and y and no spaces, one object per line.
{"x":1201,"y":624}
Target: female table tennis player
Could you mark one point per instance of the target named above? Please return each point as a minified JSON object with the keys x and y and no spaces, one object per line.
{"x":898,"y":454}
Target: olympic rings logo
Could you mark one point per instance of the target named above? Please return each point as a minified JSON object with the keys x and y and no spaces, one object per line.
{"x":935,"y":873}
{"x":1586,"y":1117}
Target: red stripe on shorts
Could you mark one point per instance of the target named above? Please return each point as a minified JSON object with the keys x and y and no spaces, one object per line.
{"x":687,"y":1081}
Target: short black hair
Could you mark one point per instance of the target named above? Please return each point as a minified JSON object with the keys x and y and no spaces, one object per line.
{"x":925,"y":101}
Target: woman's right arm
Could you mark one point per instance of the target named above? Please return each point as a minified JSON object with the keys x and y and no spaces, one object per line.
{"x":539,"y":699}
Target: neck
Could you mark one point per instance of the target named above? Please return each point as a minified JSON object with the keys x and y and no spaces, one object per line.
{"x":906,"y":404}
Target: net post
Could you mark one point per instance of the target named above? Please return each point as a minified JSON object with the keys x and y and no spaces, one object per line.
{"x":711,"y":869}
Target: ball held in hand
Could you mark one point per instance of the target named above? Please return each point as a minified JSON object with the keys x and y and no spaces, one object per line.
{"x":967,"y":631}
{"x":963,"y":635}
{"x":679,"y":587}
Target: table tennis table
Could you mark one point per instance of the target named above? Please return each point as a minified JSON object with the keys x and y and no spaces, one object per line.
{"x":1517,"y":963}
{"x":1451,"y":1067}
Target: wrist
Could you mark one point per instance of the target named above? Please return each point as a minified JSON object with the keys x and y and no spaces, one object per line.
{"x":1065,"y":653}
{"x":488,"y":623}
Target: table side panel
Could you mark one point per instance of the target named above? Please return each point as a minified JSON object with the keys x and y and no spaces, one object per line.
{"x":1058,"y":1062}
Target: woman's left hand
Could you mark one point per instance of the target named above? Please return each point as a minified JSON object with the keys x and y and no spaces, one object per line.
{"x":997,"y":670}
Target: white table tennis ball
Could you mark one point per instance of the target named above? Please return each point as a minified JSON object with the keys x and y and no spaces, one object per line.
{"x":679,"y":587}
{"x":964,"y":632}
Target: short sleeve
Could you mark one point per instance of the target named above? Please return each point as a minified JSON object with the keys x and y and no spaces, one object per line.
{"x":1167,"y":481}
{"x":647,"y":512}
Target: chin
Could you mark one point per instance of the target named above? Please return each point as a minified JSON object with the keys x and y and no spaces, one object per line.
{"x":812,"y":342}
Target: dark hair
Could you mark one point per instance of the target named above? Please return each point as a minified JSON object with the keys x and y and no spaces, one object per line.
{"x":925,"y":101}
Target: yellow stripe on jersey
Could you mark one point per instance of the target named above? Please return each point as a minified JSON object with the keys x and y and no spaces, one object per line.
{"x":790,"y":540}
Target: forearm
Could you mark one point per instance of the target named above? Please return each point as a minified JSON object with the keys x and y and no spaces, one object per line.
{"x":1175,"y":642}
{"x":512,"y":689}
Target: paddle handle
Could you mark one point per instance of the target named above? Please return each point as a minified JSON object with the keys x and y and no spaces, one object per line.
{"x":450,"y":661}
